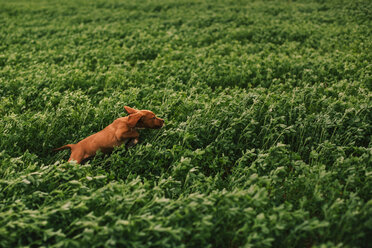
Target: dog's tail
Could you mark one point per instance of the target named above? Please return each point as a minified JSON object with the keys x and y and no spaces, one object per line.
{"x":69,"y":146}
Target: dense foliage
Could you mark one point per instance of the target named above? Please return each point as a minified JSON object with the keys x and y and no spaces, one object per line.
{"x":268,"y":123}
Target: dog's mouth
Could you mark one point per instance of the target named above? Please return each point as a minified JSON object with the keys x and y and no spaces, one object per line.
{"x":158,"y":126}
{"x":161,"y":124}
{"x":141,"y":125}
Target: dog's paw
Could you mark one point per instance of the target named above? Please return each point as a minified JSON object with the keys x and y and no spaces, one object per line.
{"x":131,"y":143}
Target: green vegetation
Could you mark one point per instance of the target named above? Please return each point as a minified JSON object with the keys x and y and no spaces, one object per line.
{"x":268,"y":123}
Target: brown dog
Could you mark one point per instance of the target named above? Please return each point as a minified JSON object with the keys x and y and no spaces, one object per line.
{"x":122,"y":130}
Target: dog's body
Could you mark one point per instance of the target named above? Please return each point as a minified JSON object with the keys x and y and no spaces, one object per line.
{"x":122,"y":130}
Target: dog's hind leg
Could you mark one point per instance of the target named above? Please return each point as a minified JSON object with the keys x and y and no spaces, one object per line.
{"x":77,"y":155}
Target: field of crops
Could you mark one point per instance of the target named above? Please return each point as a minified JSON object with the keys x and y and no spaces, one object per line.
{"x":268,"y":111}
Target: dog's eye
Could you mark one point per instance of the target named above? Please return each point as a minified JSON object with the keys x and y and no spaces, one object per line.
{"x":154,"y":117}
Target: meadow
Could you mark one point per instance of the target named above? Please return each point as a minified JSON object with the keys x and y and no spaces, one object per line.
{"x":267,"y":136}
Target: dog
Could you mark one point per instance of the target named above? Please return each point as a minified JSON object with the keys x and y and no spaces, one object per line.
{"x":122,"y":130}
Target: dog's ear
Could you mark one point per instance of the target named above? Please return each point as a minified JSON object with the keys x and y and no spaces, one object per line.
{"x":134,"y":118}
{"x":130,"y":110}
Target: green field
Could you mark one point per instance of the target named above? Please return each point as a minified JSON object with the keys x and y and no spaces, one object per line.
{"x":268,"y":111}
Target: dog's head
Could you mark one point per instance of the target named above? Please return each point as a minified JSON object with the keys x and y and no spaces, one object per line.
{"x":143,"y":119}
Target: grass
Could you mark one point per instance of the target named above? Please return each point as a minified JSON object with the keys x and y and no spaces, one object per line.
{"x":268,"y":116}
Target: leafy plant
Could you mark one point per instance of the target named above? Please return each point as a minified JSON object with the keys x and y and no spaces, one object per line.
{"x":267,"y":141}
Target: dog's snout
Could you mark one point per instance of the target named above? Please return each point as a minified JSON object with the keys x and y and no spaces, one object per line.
{"x":161,"y":122}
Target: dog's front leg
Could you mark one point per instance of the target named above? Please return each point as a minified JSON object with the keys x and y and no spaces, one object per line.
{"x":131,"y":137}
{"x":132,"y":142}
